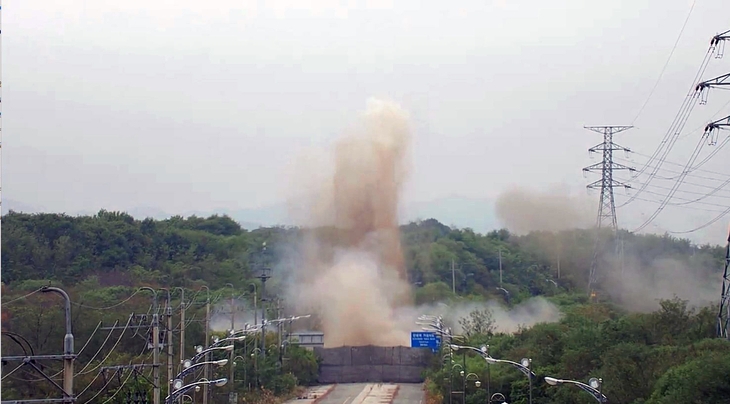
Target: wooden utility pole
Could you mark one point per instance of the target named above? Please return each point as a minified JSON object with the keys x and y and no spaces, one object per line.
{"x":206,"y":388}
{"x":500,"y":267}
{"x":182,"y":325}
{"x":168,"y":312}
{"x":453,"y":278}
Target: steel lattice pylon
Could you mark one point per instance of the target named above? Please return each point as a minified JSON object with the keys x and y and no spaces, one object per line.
{"x":723,"y":315}
{"x":606,"y":207}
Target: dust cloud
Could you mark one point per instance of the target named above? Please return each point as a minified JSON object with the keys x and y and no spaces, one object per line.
{"x":507,"y":320}
{"x":351,"y":271}
{"x":522,"y":211}
{"x":640,"y":287}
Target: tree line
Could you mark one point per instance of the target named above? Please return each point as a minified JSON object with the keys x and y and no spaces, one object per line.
{"x":103,"y":260}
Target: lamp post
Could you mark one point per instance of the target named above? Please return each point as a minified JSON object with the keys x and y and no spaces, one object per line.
{"x":256,"y":365}
{"x":188,"y":367}
{"x":483,"y":352}
{"x":523,"y":366}
{"x":200,"y":352}
{"x":461,"y":372}
{"x":180,"y":389}
{"x":234,"y":364}
{"x":476,"y":382}
{"x":497,"y":396}
{"x":68,"y":346}
{"x":593,"y":387}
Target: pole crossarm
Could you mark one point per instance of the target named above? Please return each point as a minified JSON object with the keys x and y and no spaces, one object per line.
{"x":719,"y":81}
{"x":36,"y":357}
{"x":718,"y":124}
{"x":724,"y":36}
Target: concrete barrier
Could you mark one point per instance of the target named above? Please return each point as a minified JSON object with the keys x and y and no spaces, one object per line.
{"x":372,"y":364}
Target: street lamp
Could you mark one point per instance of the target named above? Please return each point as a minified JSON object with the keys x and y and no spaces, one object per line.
{"x":187,"y":369}
{"x":483,"y":352}
{"x":200,"y":352}
{"x":523,"y":366}
{"x":497,"y":398}
{"x":179,"y":389}
{"x":593,"y":387}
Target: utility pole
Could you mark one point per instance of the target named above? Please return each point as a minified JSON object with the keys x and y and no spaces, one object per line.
{"x":156,"y":355}
{"x":182,"y":331}
{"x":606,"y":207}
{"x":279,"y":324}
{"x":263,"y":278}
{"x":231,"y":355}
{"x":279,"y":328}
{"x":500,"y":267}
{"x":255,"y":305}
{"x":168,"y":313}
{"x":206,"y":373}
{"x":182,"y":325}
{"x":453,"y":278}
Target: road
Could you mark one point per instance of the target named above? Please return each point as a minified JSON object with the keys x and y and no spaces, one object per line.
{"x":344,"y":393}
{"x":409,"y":394}
{"x":372,"y":393}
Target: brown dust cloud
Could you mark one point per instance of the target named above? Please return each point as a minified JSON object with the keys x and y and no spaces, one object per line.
{"x":351,"y":273}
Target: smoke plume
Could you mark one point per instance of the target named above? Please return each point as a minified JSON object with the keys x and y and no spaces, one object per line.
{"x":352,"y":274}
{"x":640,"y":287}
{"x":522,"y":211}
{"x":507,"y":320}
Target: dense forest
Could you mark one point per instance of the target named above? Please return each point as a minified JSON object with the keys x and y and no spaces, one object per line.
{"x":642,"y":349}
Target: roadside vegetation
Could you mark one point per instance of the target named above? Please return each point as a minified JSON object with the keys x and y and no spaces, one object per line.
{"x":668,"y":354}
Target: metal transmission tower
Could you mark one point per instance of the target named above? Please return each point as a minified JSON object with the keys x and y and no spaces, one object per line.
{"x":723,"y":315}
{"x":606,"y":207}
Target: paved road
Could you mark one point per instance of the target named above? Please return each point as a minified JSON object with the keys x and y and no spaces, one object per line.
{"x":344,"y":393}
{"x":409,"y":394}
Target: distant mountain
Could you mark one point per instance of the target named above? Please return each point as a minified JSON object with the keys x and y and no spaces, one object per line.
{"x":11,"y":204}
{"x":462,"y":212}
{"x":458,"y":211}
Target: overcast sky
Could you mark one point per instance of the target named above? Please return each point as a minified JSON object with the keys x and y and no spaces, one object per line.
{"x":184,"y":105}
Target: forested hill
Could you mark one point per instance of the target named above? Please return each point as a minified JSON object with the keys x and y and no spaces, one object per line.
{"x":120,"y":250}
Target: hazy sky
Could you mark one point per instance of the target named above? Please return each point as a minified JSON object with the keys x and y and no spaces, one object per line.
{"x":184,"y":105}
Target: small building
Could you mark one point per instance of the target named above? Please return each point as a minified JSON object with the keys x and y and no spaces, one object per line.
{"x":308,"y":339}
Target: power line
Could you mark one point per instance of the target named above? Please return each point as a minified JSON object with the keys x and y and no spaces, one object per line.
{"x":711,"y":222}
{"x":661,"y":207}
{"x":661,"y":73}
{"x":81,"y":372}
{"x":24,"y":296}
{"x":675,"y":129}
{"x":109,"y":307}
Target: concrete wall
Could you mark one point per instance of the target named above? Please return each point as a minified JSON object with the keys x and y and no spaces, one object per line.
{"x":372,"y":364}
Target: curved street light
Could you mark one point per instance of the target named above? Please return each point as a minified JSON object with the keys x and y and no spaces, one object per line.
{"x":179,"y":389}
{"x":200,"y":352}
{"x":593,"y":387}
{"x":483,"y":352}
{"x":497,"y":396}
{"x":523,"y":366}
{"x":188,"y":369}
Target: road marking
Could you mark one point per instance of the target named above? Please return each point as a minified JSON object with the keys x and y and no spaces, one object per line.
{"x":347,"y":399}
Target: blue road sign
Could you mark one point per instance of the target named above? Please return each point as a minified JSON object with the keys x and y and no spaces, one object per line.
{"x":423,"y":339}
